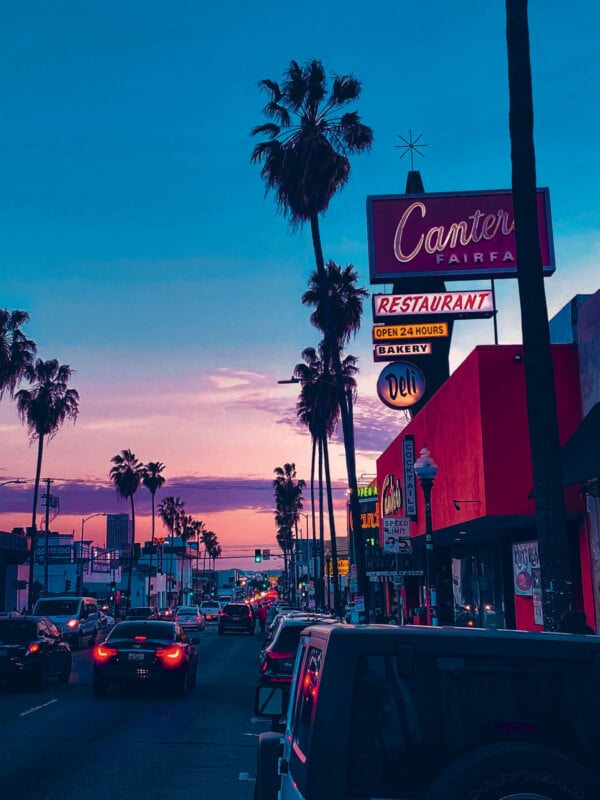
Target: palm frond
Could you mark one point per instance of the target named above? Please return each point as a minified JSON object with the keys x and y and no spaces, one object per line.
{"x":272,"y":87}
{"x":269,"y":127}
{"x":345,"y":88}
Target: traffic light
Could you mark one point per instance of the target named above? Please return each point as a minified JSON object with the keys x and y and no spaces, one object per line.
{"x":257,"y":555}
{"x":113,"y":588}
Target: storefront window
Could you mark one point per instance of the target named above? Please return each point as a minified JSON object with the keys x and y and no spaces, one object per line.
{"x":477,"y":589}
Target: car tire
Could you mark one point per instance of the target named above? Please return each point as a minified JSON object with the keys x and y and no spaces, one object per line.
{"x":508,"y":770}
{"x":64,"y":676}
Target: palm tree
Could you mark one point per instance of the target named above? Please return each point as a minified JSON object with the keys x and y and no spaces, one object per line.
{"x":557,"y":579}
{"x":126,"y":476}
{"x":337,"y":286}
{"x":288,"y":502}
{"x":305,"y":162}
{"x":318,"y":408}
{"x":153,"y":481}
{"x":45,"y":407}
{"x":171,"y":510}
{"x":16,"y":350}
{"x":209,"y":540}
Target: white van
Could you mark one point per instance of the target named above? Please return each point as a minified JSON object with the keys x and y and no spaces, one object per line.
{"x":77,"y":618}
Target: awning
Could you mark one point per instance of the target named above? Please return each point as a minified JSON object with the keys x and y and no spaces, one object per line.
{"x":580,"y":456}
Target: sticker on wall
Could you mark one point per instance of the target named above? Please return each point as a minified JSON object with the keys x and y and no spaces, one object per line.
{"x":400,"y":385}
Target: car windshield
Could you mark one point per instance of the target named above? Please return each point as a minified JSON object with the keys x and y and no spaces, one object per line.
{"x":188,"y":610}
{"x":288,"y":638}
{"x":150,"y":629}
{"x":16,"y":631}
{"x":56,"y":608}
{"x":236,"y":608}
{"x":139,"y":612}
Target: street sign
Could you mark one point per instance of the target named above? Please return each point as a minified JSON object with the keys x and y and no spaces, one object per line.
{"x":423,"y":330}
{"x":266,"y":554}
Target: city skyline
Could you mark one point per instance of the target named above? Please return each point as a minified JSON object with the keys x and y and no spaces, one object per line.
{"x":137,"y":234}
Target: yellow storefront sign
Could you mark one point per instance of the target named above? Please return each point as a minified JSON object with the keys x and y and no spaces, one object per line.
{"x":391,"y":333}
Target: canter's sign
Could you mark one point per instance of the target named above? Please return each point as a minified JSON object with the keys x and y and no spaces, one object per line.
{"x":451,"y":235}
{"x":394,"y":333}
{"x":455,"y":304}
{"x":390,"y":351}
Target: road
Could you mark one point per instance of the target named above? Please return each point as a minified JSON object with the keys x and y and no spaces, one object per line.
{"x":66,"y":744}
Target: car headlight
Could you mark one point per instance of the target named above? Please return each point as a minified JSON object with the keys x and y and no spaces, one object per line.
{"x":72,"y":623}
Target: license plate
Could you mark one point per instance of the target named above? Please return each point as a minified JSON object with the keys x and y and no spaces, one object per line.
{"x":236,"y":619}
{"x":136,"y":656}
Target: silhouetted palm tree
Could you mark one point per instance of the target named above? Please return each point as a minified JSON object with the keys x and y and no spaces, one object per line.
{"x":126,"y":476}
{"x":318,"y":408}
{"x":344,"y":305}
{"x":171,"y":510}
{"x":555,"y":561}
{"x":305,"y":162}
{"x":153,"y":481}
{"x":44,"y":408}
{"x":16,"y":350}
{"x":288,"y":502}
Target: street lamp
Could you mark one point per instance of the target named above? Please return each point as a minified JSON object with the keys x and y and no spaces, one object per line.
{"x":83,"y":521}
{"x":426,"y":470}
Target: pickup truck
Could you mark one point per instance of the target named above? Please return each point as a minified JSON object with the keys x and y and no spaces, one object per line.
{"x":422,"y":713}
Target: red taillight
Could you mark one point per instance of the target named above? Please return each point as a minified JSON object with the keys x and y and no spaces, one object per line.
{"x":103,"y":653}
{"x":33,"y":648}
{"x":223,"y":614}
{"x":197,"y":617}
{"x":176,"y":617}
{"x":140,"y":638}
{"x":171,"y":656}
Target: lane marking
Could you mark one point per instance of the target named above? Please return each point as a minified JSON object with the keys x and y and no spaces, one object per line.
{"x":38,"y":708}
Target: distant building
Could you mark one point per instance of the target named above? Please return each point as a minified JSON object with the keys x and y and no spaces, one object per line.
{"x":118,"y":532}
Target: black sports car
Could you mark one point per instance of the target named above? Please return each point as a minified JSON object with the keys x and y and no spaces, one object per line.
{"x":146,"y":652}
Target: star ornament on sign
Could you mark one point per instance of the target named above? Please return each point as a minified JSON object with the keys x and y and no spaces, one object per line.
{"x":411,"y":146}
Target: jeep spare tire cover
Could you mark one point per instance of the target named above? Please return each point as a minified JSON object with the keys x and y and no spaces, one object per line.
{"x":513,"y":771}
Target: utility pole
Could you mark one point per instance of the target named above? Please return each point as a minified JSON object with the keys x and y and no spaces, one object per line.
{"x":47,"y":497}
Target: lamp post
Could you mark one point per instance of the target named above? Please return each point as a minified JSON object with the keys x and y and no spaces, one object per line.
{"x":426,"y":470}
{"x":328,"y":562}
{"x":83,"y":521}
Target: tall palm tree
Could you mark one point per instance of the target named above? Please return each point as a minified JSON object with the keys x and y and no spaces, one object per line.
{"x":171,"y":510}
{"x":288,"y":503}
{"x":305,"y":162}
{"x":153,"y":481}
{"x":337,"y":304}
{"x":209,"y":540}
{"x":318,"y":408}
{"x":126,"y":475}
{"x":16,"y":350}
{"x":45,"y":407}
{"x":557,"y":579}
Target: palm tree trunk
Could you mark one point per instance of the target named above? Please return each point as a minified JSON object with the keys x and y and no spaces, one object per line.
{"x":317,"y":583}
{"x":151,"y":551}
{"x":322,"y":582}
{"x":333,"y":349}
{"x":36,"y":490}
{"x":337,"y":600}
{"x":130,"y":572}
{"x":556,"y":577}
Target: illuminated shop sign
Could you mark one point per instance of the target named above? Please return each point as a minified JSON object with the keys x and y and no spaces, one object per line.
{"x":479,"y":303}
{"x":393,"y":333}
{"x":400,"y":385}
{"x":367,"y":492}
{"x":452,"y":235}
{"x":408,"y":464}
{"x":388,"y":352}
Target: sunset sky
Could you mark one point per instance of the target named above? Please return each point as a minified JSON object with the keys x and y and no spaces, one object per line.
{"x":137,"y":234}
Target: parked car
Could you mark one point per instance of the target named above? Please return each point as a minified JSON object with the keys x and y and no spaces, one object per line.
{"x":141,"y":612}
{"x":165,"y":613}
{"x":211,"y":610}
{"x":146,"y":652}
{"x":190,"y":618}
{"x":236,"y":617}
{"x":32,"y":650}
{"x":75,"y":617}
{"x":434,"y":714}
{"x":279,"y":654}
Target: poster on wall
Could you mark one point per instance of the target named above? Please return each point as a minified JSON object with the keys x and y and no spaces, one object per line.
{"x":525,"y":561}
